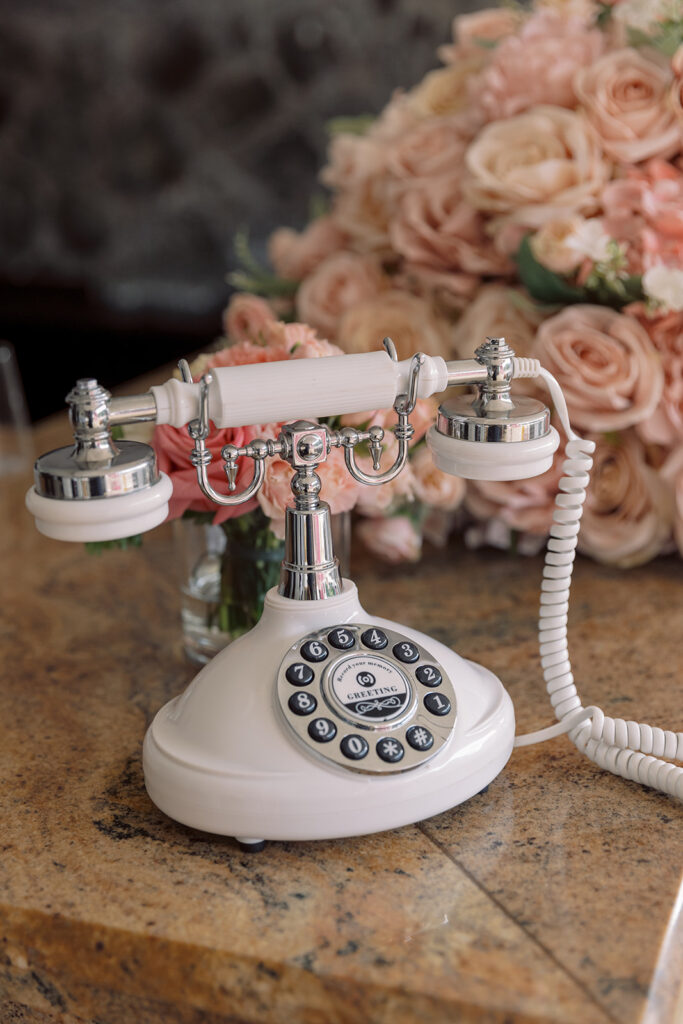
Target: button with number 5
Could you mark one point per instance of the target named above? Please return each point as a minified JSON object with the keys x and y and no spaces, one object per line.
{"x":341,"y":638}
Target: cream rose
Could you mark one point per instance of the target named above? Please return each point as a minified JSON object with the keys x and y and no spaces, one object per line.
{"x":295,"y":254}
{"x":626,"y":99}
{"x":435,"y":228}
{"x":445,"y":91}
{"x":628,"y":513}
{"x":605,"y":363}
{"x":407,"y":319}
{"x":549,"y":244}
{"x":537,"y":65}
{"x":500,"y":312}
{"x":338,"y":283}
{"x":393,"y":539}
{"x":536,"y":167}
{"x":432,"y":485}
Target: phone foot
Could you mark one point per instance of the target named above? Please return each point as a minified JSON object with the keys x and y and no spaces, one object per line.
{"x":251,"y":845}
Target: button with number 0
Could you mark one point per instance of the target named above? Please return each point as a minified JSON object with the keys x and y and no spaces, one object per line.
{"x":428,"y":675}
{"x":354,"y":747}
{"x":375,"y":639}
{"x":406,"y":652}
{"x":341,"y":638}
{"x":322,"y":730}
{"x":302,"y":703}
{"x":437,"y":703}
{"x":313,"y":650}
{"x":299,"y":674}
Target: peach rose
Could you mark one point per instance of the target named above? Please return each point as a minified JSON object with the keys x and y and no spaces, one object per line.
{"x":446,"y":91}
{"x":535,"y":167}
{"x":605,"y":363}
{"x":393,"y":539}
{"x":428,"y":149}
{"x":665,"y":425}
{"x":478,"y":31}
{"x":294,"y":254}
{"x":407,"y":319}
{"x":364,"y":212}
{"x":339,"y":489}
{"x":626,"y":98}
{"x":435,"y":228}
{"x":338,"y":283}
{"x":522,"y":505}
{"x":537,"y":65}
{"x":246,"y":317}
{"x":434,"y":487}
{"x":645,"y":209}
{"x":353,"y":158}
{"x":275,"y":493}
{"x":672,"y":474}
{"x":500,"y":312}
{"x":555,"y":244}
{"x":628,"y":513}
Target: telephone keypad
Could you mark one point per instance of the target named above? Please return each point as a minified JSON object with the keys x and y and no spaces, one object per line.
{"x":363,"y":680}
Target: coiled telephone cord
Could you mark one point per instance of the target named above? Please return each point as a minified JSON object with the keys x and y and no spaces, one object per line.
{"x":632,"y":750}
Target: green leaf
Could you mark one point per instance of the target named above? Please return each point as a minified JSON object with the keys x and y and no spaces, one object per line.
{"x":604,"y":15}
{"x":543,"y":284}
{"x":96,"y":547}
{"x":357,"y":125}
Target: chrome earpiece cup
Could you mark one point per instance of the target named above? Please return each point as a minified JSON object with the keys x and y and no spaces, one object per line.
{"x":493,"y":460}
{"x":105,"y":518}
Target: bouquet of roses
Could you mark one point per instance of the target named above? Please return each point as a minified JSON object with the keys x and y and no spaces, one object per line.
{"x":531,"y":187}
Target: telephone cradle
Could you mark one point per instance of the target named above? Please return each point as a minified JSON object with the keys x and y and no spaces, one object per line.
{"x":324,"y":721}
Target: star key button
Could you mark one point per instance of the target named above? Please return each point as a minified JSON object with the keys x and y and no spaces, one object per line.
{"x":389,"y":750}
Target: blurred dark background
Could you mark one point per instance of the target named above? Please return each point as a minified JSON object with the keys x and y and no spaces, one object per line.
{"x":136,"y":138}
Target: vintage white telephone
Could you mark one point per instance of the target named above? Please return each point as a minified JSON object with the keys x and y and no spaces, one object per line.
{"x":325,"y":721}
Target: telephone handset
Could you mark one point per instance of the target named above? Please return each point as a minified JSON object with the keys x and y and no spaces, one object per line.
{"x":324,"y":721}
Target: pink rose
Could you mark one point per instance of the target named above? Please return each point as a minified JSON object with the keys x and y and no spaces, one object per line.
{"x":407,"y":319}
{"x":605,"y":363}
{"x":436,"y":229}
{"x":294,"y":254}
{"x":298,"y":341}
{"x":338,"y":283}
{"x":628,"y":513}
{"x":537,"y":65}
{"x":364,"y":211}
{"x":626,"y":98}
{"x":475,"y":32}
{"x":535,"y":167}
{"x":672,"y":473}
{"x":378,"y":499}
{"x":645,"y":210}
{"x":665,"y":425}
{"x":352,"y":160}
{"x":445,"y":92}
{"x":522,"y":505}
{"x":428,"y":149}
{"x":434,"y":487}
{"x":275,"y":493}
{"x":246,"y":317}
{"x":339,"y":489}
{"x":499,"y":311}
{"x":394,"y":539}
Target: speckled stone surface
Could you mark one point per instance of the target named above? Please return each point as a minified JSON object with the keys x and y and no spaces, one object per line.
{"x":554,"y":896}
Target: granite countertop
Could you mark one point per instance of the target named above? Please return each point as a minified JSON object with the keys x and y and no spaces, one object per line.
{"x":554,"y":896}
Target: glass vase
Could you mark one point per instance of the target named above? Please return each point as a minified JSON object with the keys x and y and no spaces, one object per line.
{"x":227,"y":570}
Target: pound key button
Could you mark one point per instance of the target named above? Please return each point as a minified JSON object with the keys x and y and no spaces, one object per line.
{"x":428,"y":675}
{"x":322,"y":730}
{"x":354,"y":747}
{"x":437,"y":703}
{"x":299,"y":674}
{"x":341,"y":638}
{"x":389,"y":750}
{"x":406,"y":652}
{"x":313,"y":650}
{"x":375,"y":639}
{"x":419,"y":737}
{"x":302,"y":703}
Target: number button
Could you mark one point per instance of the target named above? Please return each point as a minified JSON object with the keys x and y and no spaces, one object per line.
{"x":406,"y":652}
{"x":354,"y":747}
{"x":313,"y":650}
{"x":419,"y":737}
{"x":341,"y":638}
{"x":322,"y":730}
{"x":375,"y":639}
{"x":302,"y":703}
{"x":428,"y":675}
{"x":299,"y":674}
{"x":389,"y":750}
{"x":437,"y":704}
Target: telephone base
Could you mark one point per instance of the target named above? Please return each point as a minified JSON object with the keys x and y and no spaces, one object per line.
{"x":221,"y":757}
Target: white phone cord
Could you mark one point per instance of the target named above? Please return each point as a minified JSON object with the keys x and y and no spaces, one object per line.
{"x":630,"y":749}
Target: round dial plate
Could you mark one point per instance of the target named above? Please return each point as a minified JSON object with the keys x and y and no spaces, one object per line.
{"x":368,"y":711}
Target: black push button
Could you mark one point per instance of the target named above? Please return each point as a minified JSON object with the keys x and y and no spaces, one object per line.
{"x":437,"y":703}
{"x":428,"y":675}
{"x":299,"y":674}
{"x":354,"y":747}
{"x":302,"y":703}
{"x":313,"y":650}
{"x":322,"y":730}
{"x":419,"y":737}
{"x":406,"y":652}
{"x":375,"y":639}
{"x":341,"y":638}
{"x":389,"y":750}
